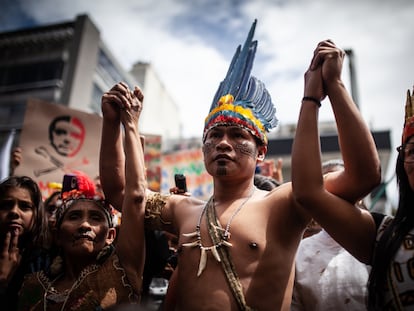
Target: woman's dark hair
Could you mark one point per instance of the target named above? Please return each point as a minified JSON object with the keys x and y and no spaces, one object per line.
{"x":38,"y":237}
{"x":49,"y":199}
{"x":265,"y":182}
{"x":391,"y":238}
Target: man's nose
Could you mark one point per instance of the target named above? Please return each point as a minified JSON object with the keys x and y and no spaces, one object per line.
{"x":224,"y":143}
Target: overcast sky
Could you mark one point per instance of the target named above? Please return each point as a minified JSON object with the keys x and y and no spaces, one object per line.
{"x":190,"y":44}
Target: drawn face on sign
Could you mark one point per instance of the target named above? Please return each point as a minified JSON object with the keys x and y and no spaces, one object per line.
{"x":66,"y":135}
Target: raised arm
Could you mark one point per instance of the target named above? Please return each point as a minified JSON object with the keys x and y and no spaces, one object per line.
{"x":349,"y":225}
{"x":361,"y":161}
{"x":112,"y":159}
{"x":112,"y":162}
{"x":131,"y":244}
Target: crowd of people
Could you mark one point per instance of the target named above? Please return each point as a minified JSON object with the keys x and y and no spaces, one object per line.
{"x":250,"y":246}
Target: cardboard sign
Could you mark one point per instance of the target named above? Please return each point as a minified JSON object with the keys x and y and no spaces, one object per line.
{"x":56,"y":140}
{"x":191,"y":164}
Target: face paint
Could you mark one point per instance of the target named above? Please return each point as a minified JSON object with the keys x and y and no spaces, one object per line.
{"x":208,"y":148}
{"x":221,"y":171}
{"x":246,"y":148}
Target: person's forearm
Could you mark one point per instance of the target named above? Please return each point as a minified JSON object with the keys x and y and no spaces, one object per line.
{"x":135,"y":163}
{"x":133,"y":209}
{"x":306,"y":157}
{"x":112,"y":163}
{"x":359,"y":153}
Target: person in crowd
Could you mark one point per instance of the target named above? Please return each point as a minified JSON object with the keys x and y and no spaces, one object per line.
{"x":327,"y":277}
{"x":157,"y":254}
{"x":265,"y":182}
{"x":237,"y":250}
{"x":51,"y":204}
{"x":271,"y":169}
{"x":382,"y":241}
{"x":24,"y":235}
{"x":260,"y":181}
{"x":91,"y":273}
{"x":15,"y":159}
{"x":312,"y":228}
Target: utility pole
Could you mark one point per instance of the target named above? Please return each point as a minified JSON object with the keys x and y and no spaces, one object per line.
{"x":352,"y":73}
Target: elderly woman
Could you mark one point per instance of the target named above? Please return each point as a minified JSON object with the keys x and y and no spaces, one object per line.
{"x":92,"y":273}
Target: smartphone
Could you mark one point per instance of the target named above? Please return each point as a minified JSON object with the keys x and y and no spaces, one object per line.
{"x":70,"y":182}
{"x":180,"y":182}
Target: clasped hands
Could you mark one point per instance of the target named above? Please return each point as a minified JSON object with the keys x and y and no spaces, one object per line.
{"x":121,"y":102}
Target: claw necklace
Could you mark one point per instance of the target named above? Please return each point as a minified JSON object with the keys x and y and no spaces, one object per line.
{"x":224,"y":237}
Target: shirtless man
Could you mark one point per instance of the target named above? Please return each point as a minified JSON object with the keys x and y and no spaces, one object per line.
{"x":263,"y":228}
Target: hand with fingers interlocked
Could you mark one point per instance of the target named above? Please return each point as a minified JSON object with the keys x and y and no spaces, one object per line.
{"x":325,"y":69}
{"x":120,"y":103}
{"x":131,"y":110}
{"x":331,"y":59}
{"x":111,"y":102}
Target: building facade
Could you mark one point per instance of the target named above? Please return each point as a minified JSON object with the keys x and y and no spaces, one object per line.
{"x":69,"y":64}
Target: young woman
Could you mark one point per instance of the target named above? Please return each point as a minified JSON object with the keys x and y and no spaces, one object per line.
{"x":384,"y":242}
{"x":23,"y":232}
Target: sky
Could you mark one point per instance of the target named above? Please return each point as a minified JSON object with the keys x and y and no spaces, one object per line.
{"x":190,"y":44}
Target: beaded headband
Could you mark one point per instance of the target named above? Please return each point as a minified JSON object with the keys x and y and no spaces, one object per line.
{"x":242,"y":99}
{"x":409,"y":117}
{"x":79,"y":187}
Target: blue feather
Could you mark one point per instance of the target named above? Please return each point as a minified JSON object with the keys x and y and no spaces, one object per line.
{"x":247,"y":90}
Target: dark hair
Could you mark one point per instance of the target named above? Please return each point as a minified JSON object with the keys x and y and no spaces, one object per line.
{"x":264,"y":182}
{"x":332,"y":165}
{"x":50,"y":198}
{"x":391,"y":238}
{"x":38,"y":236}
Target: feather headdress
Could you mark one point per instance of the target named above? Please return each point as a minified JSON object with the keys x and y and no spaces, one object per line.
{"x":409,"y":117}
{"x":242,"y":99}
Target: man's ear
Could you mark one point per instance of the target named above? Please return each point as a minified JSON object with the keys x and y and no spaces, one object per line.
{"x":111,"y":235}
{"x":261,"y":153}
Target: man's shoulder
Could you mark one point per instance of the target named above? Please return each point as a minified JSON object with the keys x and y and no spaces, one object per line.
{"x":157,"y":198}
{"x":281,"y":194}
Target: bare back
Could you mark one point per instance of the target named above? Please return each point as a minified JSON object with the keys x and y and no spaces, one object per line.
{"x":264,"y":235}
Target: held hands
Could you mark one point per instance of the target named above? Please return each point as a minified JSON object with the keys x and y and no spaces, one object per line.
{"x":120,"y":103}
{"x":324,"y":70}
{"x":314,"y":88}
{"x":9,"y":259}
{"x":331,"y":58}
{"x":131,"y":110}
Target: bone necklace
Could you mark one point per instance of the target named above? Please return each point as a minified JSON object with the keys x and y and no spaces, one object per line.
{"x":224,"y":237}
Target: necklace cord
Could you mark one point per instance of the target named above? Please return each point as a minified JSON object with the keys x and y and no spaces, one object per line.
{"x":217,"y":243}
{"x":226,"y":234}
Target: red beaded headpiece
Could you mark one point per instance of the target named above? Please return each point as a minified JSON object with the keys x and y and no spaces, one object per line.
{"x":78,"y":186}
